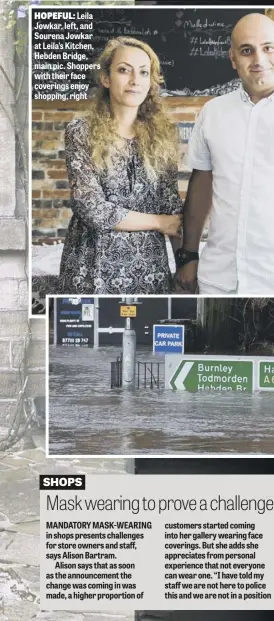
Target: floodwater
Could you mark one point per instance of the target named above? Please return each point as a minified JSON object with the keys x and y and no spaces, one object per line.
{"x":87,"y":417}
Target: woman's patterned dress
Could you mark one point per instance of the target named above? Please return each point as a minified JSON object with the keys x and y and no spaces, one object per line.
{"x":96,"y":258}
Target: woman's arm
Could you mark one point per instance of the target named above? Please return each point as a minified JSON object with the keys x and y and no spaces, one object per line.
{"x":89,"y":202}
{"x":136,"y":221}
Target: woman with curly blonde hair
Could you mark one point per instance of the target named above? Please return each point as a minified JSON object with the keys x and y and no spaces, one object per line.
{"x":122,"y":168}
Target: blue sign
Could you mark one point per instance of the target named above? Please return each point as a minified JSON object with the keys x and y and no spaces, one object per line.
{"x":168,"y":339}
{"x":185,"y":131}
{"x":74,"y":321}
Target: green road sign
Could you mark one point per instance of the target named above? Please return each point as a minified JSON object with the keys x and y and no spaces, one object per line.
{"x":210,"y":375}
{"x":266,"y":374}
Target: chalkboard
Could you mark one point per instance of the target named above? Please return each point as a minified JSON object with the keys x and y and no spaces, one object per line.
{"x":192,"y":44}
{"x":190,"y":3}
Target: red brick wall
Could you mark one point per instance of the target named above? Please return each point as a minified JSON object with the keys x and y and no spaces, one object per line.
{"x":50,"y":188}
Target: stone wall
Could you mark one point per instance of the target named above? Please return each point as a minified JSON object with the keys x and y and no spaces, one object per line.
{"x":15,"y":328}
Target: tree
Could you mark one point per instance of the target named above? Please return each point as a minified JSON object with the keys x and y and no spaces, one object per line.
{"x":241,"y":324}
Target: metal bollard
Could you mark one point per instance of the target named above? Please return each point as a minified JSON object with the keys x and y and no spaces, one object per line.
{"x":129,"y":358}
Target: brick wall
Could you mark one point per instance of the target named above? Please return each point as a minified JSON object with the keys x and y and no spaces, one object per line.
{"x":50,"y":188}
{"x":50,"y":191}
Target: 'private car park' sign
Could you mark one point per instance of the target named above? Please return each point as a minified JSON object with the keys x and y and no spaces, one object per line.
{"x":168,"y":339}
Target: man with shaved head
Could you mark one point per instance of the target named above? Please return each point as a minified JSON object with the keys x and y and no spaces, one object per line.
{"x":231,"y":154}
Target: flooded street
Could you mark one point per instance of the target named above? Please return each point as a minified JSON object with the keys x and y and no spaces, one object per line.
{"x":87,"y":417}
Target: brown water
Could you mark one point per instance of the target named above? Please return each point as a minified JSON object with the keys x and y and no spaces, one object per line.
{"x":87,"y":417}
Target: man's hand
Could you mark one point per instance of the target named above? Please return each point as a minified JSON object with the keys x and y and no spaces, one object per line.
{"x":185,"y":279}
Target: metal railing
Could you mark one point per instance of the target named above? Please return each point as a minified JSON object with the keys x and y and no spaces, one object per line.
{"x":148,"y":374}
{"x":116,"y":372}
